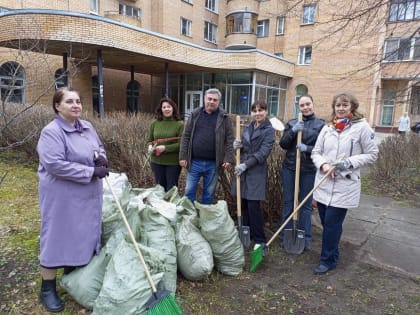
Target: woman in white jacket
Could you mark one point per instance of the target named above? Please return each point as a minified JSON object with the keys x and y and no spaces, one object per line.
{"x":347,"y":142}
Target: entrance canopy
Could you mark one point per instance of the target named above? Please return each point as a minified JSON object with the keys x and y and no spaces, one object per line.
{"x":80,"y":36}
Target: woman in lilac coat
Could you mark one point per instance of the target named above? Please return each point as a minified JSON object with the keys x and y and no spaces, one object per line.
{"x":70,"y":193}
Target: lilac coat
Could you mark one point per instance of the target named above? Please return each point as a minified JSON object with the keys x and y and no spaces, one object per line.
{"x":70,"y":200}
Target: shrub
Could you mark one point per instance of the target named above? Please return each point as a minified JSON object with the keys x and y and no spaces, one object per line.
{"x":124,"y":138}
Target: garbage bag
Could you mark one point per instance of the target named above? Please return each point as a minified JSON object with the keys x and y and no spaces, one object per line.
{"x":84,"y":284}
{"x":157,"y":232}
{"x":219,"y":230}
{"x":195,"y":258}
{"x":125,"y":289}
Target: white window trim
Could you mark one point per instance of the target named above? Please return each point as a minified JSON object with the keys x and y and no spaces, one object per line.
{"x":214,"y":31}
{"x":265,"y":25}
{"x":189,"y":24}
{"x":412,"y":47}
{"x":280,"y":21}
{"x":216,"y":6}
{"x":311,"y":6}
{"x":93,"y":11}
{"x":302,"y":52}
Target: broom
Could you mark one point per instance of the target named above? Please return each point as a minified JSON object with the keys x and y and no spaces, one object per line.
{"x":257,"y":255}
{"x":161,"y":302}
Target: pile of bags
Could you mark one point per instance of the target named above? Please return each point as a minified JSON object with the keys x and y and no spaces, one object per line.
{"x":172,"y":234}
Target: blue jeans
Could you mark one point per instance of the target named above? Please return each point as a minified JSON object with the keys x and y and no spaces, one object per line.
{"x":306,"y":183}
{"x":332,"y":219}
{"x":209,"y":172}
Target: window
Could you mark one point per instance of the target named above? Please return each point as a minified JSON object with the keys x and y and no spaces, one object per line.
{"x":212,"y":5}
{"x":128,"y":10}
{"x":241,"y":22}
{"x":387,"y":114}
{"x":397,"y":49}
{"x":60,"y":78}
{"x":280,"y":25}
{"x":279,"y":54}
{"x":263,"y":28}
{"x":308,"y":15}
{"x":185,"y":27}
{"x":210,"y":32}
{"x":415,"y":100}
{"x":94,"y":6}
{"x":12,"y":82}
{"x":305,"y":55}
{"x":403,"y":10}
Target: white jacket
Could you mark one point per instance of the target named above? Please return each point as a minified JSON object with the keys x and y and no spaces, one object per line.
{"x":357,"y":143}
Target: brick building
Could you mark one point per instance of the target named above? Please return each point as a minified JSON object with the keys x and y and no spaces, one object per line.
{"x":125,"y":55}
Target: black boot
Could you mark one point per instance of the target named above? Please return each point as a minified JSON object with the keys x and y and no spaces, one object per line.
{"x":49,"y":297}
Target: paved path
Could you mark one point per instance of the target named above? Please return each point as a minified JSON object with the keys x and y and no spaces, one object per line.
{"x":387,"y":232}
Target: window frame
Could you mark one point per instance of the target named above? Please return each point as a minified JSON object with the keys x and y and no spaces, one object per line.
{"x":210,"y":32}
{"x":133,"y":11}
{"x":404,"y":10}
{"x":14,"y":79}
{"x":308,"y":14}
{"x":280,"y":25}
{"x":94,"y":6}
{"x":302,"y":55}
{"x":265,"y":26}
{"x":212,"y":5}
{"x":188,"y":27}
{"x":400,"y":50}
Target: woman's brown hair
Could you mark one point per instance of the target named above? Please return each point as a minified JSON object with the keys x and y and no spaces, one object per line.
{"x":354,"y":103}
{"x":159,"y":113}
{"x":59,"y":94}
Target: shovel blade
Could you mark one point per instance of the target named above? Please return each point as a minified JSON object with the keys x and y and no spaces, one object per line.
{"x":294,"y":241}
{"x":244,"y":235}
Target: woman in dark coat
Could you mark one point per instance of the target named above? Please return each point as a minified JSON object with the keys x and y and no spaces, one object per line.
{"x":257,"y":141}
{"x":311,"y":127}
{"x":70,"y":193}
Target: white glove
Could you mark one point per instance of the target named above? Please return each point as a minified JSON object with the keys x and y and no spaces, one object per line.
{"x":239,"y":169}
{"x":150,"y":149}
{"x":237,"y":144}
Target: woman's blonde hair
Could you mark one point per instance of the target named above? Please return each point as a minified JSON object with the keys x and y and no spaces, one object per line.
{"x":353,"y":102}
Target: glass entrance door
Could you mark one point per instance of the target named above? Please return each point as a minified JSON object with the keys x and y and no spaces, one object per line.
{"x":193,"y":99}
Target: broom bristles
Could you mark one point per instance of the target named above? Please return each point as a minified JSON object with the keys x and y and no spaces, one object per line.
{"x":256,"y":258}
{"x":165,"y":305}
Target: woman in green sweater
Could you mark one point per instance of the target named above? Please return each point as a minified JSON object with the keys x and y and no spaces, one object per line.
{"x":164,"y":138}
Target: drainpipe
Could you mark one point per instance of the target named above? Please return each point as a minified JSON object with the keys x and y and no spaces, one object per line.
{"x":101,"y":83}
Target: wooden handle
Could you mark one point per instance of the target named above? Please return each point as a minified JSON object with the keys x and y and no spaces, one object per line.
{"x":238,"y":161}
{"x":133,"y":239}
{"x":297,"y":170}
{"x":300,"y":205}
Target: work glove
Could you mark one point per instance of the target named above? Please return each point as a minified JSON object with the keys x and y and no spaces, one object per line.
{"x":302,"y":147}
{"x":239,"y":169}
{"x":101,"y":161}
{"x":342,"y":165}
{"x":237,"y":144}
{"x":150,"y":149}
{"x":100,"y":171}
{"x":298,"y":126}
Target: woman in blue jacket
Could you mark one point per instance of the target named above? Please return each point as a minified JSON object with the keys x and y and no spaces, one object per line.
{"x":311,"y":127}
{"x":257,"y":141}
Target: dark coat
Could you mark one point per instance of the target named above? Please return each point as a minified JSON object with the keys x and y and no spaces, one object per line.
{"x":288,"y":142}
{"x":256,"y":147}
{"x":224,"y":138}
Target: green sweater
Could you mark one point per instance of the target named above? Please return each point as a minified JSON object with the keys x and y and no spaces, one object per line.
{"x":166,"y":128}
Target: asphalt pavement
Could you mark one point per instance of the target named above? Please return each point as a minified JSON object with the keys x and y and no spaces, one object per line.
{"x":386,"y":232}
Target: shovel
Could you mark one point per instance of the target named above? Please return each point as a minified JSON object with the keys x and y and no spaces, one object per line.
{"x":294,"y":239}
{"x":244,"y":232}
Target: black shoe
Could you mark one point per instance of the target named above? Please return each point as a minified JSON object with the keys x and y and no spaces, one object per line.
{"x":49,"y":298}
{"x":322,"y":269}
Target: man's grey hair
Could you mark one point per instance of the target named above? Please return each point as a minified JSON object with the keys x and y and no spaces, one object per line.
{"x":213,"y":91}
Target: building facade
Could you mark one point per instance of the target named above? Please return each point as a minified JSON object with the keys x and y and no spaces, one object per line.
{"x":126,"y":55}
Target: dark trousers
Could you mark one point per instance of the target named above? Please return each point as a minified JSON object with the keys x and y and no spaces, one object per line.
{"x":254,"y":218}
{"x":166,"y":175}
{"x":332,"y":219}
{"x":306,"y":183}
